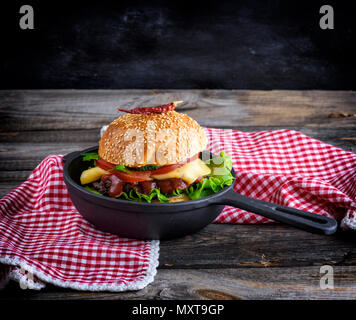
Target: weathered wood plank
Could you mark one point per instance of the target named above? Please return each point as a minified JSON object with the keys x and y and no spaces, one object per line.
{"x":53,"y":136}
{"x":26,"y":149}
{"x":236,"y":246}
{"x":342,"y":137}
{"x":91,"y":135}
{"x":13,"y":176}
{"x":217,"y":284}
{"x":38,"y":151}
{"x":87,"y":109}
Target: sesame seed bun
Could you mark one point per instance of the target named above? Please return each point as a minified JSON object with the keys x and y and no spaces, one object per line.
{"x":156,"y":139}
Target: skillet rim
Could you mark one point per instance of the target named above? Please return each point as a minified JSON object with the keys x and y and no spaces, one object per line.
{"x":107,"y":200}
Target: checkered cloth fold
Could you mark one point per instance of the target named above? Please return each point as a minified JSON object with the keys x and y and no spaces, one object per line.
{"x":289,"y":168}
{"x":43,"y":239}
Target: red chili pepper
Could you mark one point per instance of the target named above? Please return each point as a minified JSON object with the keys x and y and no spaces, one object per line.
{"x":148,"y":110}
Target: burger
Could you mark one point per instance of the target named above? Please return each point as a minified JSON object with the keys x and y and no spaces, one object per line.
{"x":155,"y":154}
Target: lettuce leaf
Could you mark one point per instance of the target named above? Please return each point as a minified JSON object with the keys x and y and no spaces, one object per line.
{"x":133,"y":195}
{"x":90,"y":156}
{"x":219,"y":178}
{"x":120,"y":167}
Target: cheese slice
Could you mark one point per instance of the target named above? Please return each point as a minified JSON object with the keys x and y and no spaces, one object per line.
{"x":189,"y":172}
{"x":91,"y":175}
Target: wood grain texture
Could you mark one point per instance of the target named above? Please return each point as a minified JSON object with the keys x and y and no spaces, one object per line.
{"x":221,"y":261}
{"x":215,"y":284}
{"x":257,"y":246}
{"x":88,"y":109}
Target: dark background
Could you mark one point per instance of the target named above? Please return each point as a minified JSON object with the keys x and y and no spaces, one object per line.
{"x":209,"y":44}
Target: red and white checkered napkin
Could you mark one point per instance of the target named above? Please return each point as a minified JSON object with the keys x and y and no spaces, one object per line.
{"x":43,"y":239}
{"x":288,"y":168}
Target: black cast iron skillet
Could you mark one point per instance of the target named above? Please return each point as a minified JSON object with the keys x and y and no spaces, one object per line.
{"x":141,"y":220}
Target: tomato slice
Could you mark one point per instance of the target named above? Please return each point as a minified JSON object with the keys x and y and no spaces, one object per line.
{"x":166,"y":169}
{"x":104,"y":164}
{"x":172,"y":167}
{"x":133,"y":176}
{"x":138,"y":176}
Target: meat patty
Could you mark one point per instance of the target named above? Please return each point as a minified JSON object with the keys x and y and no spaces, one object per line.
{"x":102,"y":186}
{"x":170,"y":185}
{"x":145,"y":187}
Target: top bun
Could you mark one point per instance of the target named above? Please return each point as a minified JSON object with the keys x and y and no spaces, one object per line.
{"x":156,"y":139}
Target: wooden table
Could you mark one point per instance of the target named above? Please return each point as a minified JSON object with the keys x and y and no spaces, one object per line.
{"x":221,"y":261}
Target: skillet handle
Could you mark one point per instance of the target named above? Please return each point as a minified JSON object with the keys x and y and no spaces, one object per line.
{"x":301,"y":219}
